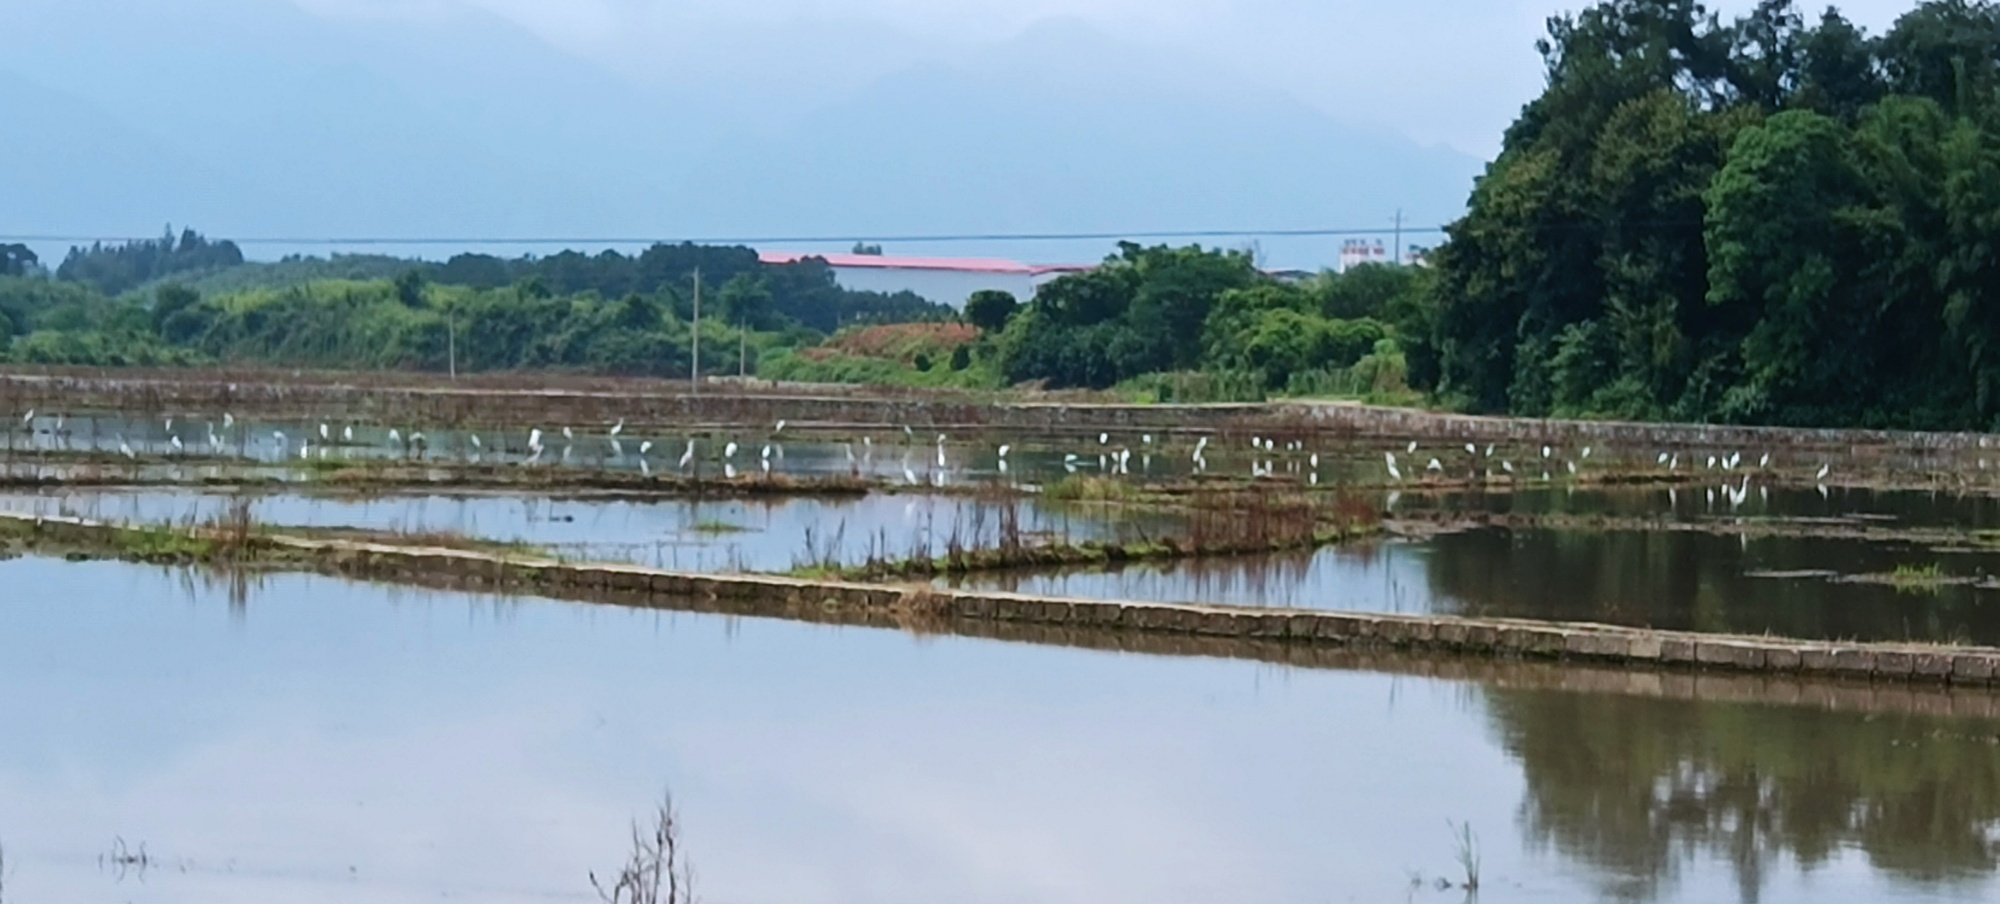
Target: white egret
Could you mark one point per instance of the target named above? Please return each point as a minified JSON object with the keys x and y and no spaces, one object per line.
{"x":1471,"y":449}
{"x":1674,"y":463}
{"x":476,"y":444}
{"x":1764,"y":461}
{"x":909,"y":433}
{"x":176,"y":443}
{"x":766,"y":454}
{"x":1413,"y":447}
{"x":728,"y":471}
{"x":729,"y":451}
{"x":1390,"y":459}
{"x":535,"y":440}
{"x":940,"y":440}
{"x":849,"y":447}
{"x":1434,"y":465}
{"x":125,"y":448}
{"x":1507,"y":466}
{"x":1489,"y":450}
{"x":1004,"y":450}
{"x":28,"y":420}
{"x":781,"y":427}
{"x":170,"y":422}
{"x":909,"y":475}
{"x":1586,"y":452}
{"x":1147,"y":439}
{"x":1572,"y":468}
{"x":1824,"y":470}
{"x":687,"y":456}
{"x":347,"y":434}
{"x":228,"y":420}
{"x":618,"y":428}
{"x":1711,"y":463}
{"x":395,"y":436}
{"x":1315,"y":461}
{"x":1104,"y":439}
{"x":1545,"y":451}
{"x":305,"y":450}
{"x":1663,"y":458}
{"x":569,"y":435}
{"x":645,"y":447}
{"x":940,"y":456}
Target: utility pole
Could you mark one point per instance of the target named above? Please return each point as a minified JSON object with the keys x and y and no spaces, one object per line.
{"x":694,"y":375}
{"x":1397,"y":251}
{"x":451,"y":331}
{"x":742,"y":352}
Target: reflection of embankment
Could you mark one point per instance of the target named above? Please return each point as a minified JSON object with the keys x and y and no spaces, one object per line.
{"x":1694,"y":581}
{"x":1636,"y":786}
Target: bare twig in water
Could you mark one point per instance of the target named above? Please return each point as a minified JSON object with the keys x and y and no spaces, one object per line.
{"x":1467,"y":853}
{"x":657,"y":871}
{"x":125,"y":859}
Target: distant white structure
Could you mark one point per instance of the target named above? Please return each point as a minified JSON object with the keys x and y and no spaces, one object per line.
{"x":1356,"y":252}
{"x":941,"y":279}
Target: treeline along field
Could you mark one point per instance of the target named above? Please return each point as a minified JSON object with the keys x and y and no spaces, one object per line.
{"x":1171,"y":323}
{"x":143,"y":303}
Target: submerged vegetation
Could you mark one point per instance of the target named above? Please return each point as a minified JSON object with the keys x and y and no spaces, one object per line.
{"x":1208,"y":524}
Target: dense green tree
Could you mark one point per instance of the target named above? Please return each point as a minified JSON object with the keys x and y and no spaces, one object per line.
{"x":17,"y":260}
{"x":990,"y":309}
{"x":1761,"y":220}
{"x":410,"y":288}
{"x":113,"y":269}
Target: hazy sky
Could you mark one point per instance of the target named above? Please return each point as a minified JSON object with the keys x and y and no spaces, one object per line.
{"x":1440,"y":71}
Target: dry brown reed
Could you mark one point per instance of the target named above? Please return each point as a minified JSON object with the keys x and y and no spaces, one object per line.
{"x":656,"y":870}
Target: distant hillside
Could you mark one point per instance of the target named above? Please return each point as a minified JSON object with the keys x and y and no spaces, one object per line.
{"x":67,"y":165}
{"x":263,"y":120}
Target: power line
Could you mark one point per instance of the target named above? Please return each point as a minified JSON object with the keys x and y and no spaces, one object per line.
{"x":761,"y":240}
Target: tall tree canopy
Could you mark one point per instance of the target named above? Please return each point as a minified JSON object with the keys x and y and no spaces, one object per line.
{"x":1775,"y":219}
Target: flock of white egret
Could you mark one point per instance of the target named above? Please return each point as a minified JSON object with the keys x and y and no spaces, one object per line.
{"x":1107,"y":458}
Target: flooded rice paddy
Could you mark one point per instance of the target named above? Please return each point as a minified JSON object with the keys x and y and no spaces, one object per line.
{"x":713,"y":535}
{"x":174,"y":736}
{"x":306,"y":739}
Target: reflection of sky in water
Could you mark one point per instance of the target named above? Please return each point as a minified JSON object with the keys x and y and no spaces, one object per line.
{"x":1386,"y":577}
{"x":1817,"y":588}
{"x":336,"y":742}
{"x":765,"y":534}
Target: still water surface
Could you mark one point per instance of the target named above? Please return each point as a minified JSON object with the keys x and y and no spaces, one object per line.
{"x":1816,"y":588}
{"x":314,"y":740}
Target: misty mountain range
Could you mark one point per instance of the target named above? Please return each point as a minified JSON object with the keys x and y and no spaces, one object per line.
{"x":255,"y":118}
